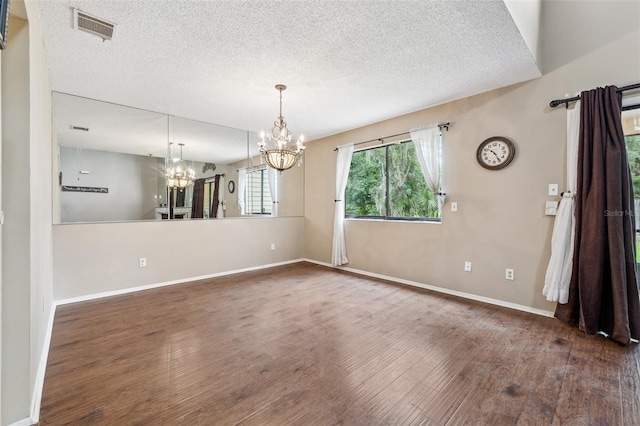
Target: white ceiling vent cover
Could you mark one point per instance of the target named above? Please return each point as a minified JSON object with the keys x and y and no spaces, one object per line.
{"x":96,"y":26}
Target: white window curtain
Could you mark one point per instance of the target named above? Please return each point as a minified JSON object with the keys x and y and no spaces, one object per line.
{"x":221,"y":191}
{"x":242,"y":187}
{"x":339,"y":249}
{"x":558,"y":276}
{"x":428,"y":145}
{"x":272,"y":177}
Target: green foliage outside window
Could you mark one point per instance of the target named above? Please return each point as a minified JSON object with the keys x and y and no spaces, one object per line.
{"x":633,"y":154}
{"x":387,"y":182}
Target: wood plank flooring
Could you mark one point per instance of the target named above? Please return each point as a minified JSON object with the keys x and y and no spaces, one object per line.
{"x":307,"y":345}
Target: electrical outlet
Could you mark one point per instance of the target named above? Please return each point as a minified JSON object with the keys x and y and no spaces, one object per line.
{"x":454,"y":206}
{"x":509,"y":274}
{"x":467,"y":266}
{"x":273,"y":246}
{"x":143,"y":262}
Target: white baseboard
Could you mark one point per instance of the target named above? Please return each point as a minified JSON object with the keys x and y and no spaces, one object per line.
{"x":24,"y":422}
{"x":42,"y":368}
{"x":167,"y":283}
{"x":462,"y":294}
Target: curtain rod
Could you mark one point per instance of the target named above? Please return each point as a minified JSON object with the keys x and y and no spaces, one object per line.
{"x":212,"y":178}
{"x":554,"y":103}
{"x":250,"y":168}
{"x":440,"y":126}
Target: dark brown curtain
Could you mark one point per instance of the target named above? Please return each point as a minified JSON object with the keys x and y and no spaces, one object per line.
{"x":603,"y":293}
{"x":197,"y":203}
{"x":172,"y":198}
{"x":213,"y":212}
{"x":180,"y":197}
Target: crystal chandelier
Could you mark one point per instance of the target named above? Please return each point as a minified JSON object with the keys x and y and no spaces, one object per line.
{"x":280,"y":156}
{"x":179,"y":175}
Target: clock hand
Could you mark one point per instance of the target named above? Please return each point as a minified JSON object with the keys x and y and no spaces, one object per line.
{"x":493,"y":152}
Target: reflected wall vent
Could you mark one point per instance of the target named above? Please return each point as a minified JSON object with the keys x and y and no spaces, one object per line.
{"x":96,"y":26}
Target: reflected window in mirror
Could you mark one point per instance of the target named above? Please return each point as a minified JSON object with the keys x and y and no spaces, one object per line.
{"x":258,"y":200}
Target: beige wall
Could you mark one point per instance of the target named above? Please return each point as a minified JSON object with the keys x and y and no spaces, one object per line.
{"x":103,"y":257}
{"x":41,"y":201}
{"x":500,"y":222}
{"x":15,"y":262}
{"x":27,"y":201}
{"x":291,"y":191}
{"x":572,"y":30}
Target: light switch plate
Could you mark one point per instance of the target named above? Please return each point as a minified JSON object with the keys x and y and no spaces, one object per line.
{"x":553,"y":189}
{"x":454,"y":206}
{"x":551,"y":208}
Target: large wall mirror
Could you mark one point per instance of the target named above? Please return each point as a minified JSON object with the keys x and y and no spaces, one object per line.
{"x":114,"y":164}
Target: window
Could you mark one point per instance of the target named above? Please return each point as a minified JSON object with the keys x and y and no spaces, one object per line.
{"x":257,"y":195}
{"x":631,"y":128}
{"x":386,"y":182}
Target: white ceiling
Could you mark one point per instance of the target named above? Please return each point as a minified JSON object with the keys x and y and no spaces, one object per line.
{"x":346,"y":63}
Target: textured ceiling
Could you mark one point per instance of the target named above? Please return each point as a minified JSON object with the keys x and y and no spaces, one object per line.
{"x":346,"y":63}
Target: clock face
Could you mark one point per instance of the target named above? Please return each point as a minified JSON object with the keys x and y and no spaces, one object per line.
{"x":495,"y":153}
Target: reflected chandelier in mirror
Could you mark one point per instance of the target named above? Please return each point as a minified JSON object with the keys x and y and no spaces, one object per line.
{"x":179,"y":174}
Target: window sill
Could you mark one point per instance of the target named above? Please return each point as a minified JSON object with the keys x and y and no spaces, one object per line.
{"x":362,"y":219}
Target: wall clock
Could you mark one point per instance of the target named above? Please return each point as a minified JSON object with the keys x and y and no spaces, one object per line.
{"x":495,"y":153}
{"x":231,"y":186}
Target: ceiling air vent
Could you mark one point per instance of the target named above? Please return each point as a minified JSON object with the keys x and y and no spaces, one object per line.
{"x":96,"y":26}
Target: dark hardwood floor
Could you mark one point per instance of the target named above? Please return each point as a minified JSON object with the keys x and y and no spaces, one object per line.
{"x":307,"y":345}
